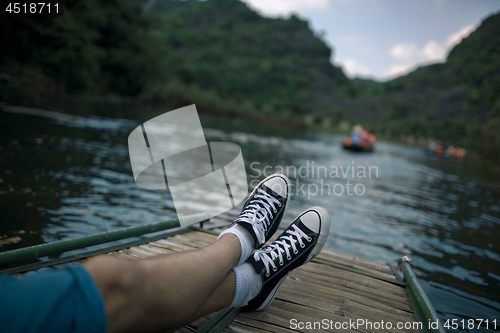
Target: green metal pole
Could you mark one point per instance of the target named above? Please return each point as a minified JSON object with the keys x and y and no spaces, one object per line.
{"x":424,"y":311}
{"x":37,"y":251}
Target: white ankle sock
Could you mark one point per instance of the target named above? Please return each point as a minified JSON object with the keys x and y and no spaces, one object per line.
{"x":248,"y":285}
{"x":246,"y":241}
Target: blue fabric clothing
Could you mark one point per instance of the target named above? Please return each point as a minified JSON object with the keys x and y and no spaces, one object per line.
{"x":356,"y":138}
{"x":55,"y":300}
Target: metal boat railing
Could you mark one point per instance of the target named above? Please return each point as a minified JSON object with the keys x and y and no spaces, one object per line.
{"x":31,"y":253}
{"x":424,"y":311}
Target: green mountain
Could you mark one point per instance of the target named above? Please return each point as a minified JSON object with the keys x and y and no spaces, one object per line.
{"x":468,"y":84}
{"x":223,"y":56}
{"x":224,"y":47}
{"x":218,"y":53}
{"x":458,"y":101}
{"x":99,"y":47}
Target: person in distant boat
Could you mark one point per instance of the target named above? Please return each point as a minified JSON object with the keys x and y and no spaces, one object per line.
{"x":359,"y":139}
{"x":357,"y":128}
{"x":372,"y":137}
{"x":437,"y":148}
{"x":455,"y":152}
{"x":357,"y":134}
{"x":368,"y":139}
{"x":108,"y":294}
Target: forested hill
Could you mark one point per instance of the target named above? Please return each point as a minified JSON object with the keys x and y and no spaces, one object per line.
{"x":458,"y":101}
{"x":218,"y":53}
{"x":468,"y":84}
{"x":226,"y":47}
{"x":224,"y":56}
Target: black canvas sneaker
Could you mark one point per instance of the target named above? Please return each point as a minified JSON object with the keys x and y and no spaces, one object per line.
{"x":297,"y":245}
{"x":265,"y":207}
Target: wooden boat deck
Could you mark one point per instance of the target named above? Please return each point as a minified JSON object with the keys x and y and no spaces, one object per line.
{"x":333,"y":286}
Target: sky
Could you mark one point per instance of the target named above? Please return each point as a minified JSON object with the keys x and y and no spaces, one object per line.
{"x":384,"y":39}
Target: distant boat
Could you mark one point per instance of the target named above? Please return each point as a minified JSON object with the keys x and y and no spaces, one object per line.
{"x":438,"y":148}
{"x":360,"y":140}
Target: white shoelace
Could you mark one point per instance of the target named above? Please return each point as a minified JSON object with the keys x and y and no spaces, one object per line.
{"x":258,"y":212}
{"x":275,"y":250}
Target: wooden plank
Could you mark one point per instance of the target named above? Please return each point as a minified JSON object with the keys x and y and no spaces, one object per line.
{"x":320,"y":303}
{"x":169,"y":244}
{"x":190,"y":239}
{"x":123,"y":255}
{"x":156,"y":249}
{"x":308,"y":311}
{"x":136,"y":254}
{"x":262,"y":325}
{"x":371,"y":313}
{"x":333,"y":255}
{"x":366,"y":299}
{"x":336,"y":272}
{"x":286,"y":316}
{"x":321,"y":291}
{"x":276,"y":317}
{"x":362,"y":265}
{"x":348,"y":286}
{"x":188,"y":242}
{"x":144,"y":251}
{"x":381,"y":275}
{"x":336,"y":275}
{"x":204,"y":235}
{"x":340,"y":310}
{"x":395,"y":313}
{"x":316,"y":319}
{"x":310,"y":294}
{"x":373,"y":266}
{"x":371,"y":317}
{"x":240,"y":328}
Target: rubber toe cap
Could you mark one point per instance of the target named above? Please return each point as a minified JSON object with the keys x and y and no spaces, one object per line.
{"x":279,"y":185}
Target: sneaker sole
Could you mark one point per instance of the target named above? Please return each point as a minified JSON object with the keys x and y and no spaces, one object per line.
{"x":323,"y":232}
{"x":272,"y":294}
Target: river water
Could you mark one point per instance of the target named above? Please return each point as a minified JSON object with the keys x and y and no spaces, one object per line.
{"x":63,"y":177}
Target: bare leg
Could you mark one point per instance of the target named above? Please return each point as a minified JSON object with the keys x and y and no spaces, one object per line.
{"x":221,"y":297}
{"x":166,"y":292}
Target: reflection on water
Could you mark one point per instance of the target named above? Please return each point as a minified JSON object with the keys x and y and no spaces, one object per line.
{"x":68,"y":177}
